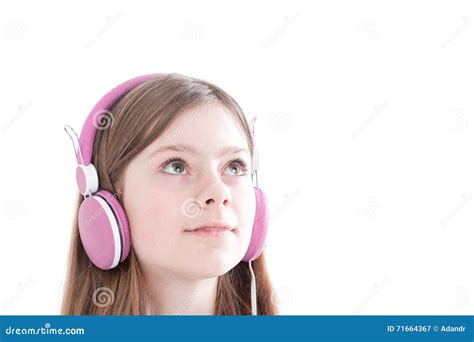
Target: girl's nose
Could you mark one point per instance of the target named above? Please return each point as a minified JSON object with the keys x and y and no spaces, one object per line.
{"x":216,"y":194}
{"x":225,"y":201}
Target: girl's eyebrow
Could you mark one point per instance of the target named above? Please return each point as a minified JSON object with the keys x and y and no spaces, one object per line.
{"x":193,"y":150}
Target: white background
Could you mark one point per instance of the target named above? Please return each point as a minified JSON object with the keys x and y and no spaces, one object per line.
{"x":365,"y":126}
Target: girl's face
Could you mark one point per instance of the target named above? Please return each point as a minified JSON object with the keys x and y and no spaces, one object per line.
{"x":196,"y":172}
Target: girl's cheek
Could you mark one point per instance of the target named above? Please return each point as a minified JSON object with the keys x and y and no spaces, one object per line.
{"x":155,"y":219}
{"x":164,"y":199}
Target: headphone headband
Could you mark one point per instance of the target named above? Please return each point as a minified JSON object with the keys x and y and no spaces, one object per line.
{"x":100,"y":110}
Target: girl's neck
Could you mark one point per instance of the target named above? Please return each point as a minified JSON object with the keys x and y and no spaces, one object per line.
{"x":170,"y":295}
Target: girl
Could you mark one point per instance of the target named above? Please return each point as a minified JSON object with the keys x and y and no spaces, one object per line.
{"x":177,"y":154}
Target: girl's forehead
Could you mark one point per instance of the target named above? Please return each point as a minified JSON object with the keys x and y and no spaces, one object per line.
{"x":205,"y":129}
{"x":206,"y":117}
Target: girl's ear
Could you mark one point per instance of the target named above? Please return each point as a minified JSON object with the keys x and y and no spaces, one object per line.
{"x":118,"y":189}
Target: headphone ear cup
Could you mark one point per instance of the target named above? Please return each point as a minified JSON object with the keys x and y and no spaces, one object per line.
{"x":260,"y":227}
{"x":103,"y":228}
{"x":122,"y":219}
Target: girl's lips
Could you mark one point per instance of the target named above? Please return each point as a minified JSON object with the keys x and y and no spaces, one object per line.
{"x":212,"y":225}
{"x":210,"y":231}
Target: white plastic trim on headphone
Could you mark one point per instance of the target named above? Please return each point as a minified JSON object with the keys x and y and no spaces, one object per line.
{"x":115,"y":230}
{"x":253,"y":291}
{"x":75,"y":142}
{"x":92,"y":179}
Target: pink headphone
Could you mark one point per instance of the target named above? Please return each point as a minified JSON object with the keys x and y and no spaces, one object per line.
{"x":103,"y":224}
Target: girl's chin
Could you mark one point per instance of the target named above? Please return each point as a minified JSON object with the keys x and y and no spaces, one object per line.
{"x":211,"y":266}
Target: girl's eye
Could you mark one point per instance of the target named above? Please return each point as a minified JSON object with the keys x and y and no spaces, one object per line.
{"x":174,"y":166}
{"x":238,"y":167}
{"x":177,"y":166}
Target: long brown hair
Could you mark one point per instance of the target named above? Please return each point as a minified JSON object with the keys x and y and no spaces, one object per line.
{"x":139,"y":117}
